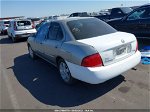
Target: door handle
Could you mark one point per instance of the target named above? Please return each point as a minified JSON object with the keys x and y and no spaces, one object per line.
{"x":41,"y":43}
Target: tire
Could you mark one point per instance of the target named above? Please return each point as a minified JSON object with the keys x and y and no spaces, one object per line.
{"x":9,"y":36}
{"x":2,"y":32}
{"x":31,"y":53}
{"x":13,"y":39}
{"x":65,"y":72}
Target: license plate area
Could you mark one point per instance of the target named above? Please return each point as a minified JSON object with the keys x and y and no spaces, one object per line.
{"x":121,"y":50}
{"x":25,"y":35}
{"x":116,"y":54}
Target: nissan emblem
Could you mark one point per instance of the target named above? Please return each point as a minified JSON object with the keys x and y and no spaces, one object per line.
{"x":122,"y":41}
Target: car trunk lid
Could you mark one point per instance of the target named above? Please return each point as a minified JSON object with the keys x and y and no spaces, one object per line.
{"x":113,"y":47}
{"x":24,"y":25}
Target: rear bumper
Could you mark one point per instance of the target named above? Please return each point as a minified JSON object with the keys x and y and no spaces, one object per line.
{"x":101,"y":74}
{"x":24,"y":33}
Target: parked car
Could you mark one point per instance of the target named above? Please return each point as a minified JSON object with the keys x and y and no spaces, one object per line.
{"x":79,"y":14}
{"x":42,"y":22}
{"x":39,"y":25}
{"x":85,"y":48}
{"x":35,"y":21}
{"x":20,"y":28}
{"x":137,"y":22}
{"x":4,"y":26}
{"x":53,"y":17}
{"x":115,"y":13}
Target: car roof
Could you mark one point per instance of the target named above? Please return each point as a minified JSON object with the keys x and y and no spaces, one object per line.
{"x":6,"y":20}
{"x":21,"y":20}
{"x":71,"y":19}
{"x":120,"y":7}
{"x":146,"y":5}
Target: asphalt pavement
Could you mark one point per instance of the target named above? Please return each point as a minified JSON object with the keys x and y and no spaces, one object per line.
{"x":35,"y":84}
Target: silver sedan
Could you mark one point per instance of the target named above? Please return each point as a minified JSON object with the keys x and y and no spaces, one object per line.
{"x":86,"y":49}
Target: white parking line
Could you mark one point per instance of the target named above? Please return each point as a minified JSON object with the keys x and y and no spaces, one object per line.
{"x":11,"y":92}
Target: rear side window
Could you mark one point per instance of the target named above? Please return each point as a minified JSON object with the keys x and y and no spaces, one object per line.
{"x":127,"y":10}
{"x":87,"y":28}
{"x":55,"y":31}
{"x":42,"y":32}
{"x":23,"y":23}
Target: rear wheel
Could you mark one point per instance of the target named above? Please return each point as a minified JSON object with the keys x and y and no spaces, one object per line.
{"x":65,"y":72}
{"x":31,"y":52}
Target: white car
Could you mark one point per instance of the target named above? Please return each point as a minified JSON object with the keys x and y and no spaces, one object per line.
{"x":4,"y":26}
{"x":35,"y":21}
{"x":85,"y":48}
{"x":20,"y":29}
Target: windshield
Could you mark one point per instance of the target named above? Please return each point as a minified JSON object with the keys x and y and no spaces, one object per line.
{"x":127,"y":10}
{"x":23,"y":23}
{"x":84,"y":14}
{"x":87,"y":28}
{"x":6,"y":22}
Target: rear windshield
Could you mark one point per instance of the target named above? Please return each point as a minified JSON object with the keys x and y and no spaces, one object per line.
{"x":6,"y":22}
{"x":87,"y":28}
{"x":35,"y":19}
{"x":127,"y":10}
{"x":23,"y":23}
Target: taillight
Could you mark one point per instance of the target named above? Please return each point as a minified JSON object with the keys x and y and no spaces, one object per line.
{"x":15,"y":27}
{"x":33,"y":25}
{"x":92,"y":61}
{"x":136,"y":45}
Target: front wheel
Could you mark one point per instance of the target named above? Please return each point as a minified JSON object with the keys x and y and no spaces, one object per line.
{"x":13,"y":39}
{"x":65,"y":72}
{"x":9,"y":36}
{"x":2,"y":32}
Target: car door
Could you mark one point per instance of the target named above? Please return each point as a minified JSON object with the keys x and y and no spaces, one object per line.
{"x":144,"y":23}
{"x":131,"y":23}
{"x":139,"y":21}
{"x":39,"y":38}
{"x":53,"y":42}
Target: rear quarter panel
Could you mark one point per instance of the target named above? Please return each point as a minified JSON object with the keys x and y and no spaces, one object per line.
{"x":74,"y":51}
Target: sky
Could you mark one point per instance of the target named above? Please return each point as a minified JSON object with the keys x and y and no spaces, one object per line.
{"x":40,"y":8}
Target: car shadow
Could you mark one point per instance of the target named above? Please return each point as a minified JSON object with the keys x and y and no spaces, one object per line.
{"x":8,"y":40}
{"x":42,"y":80}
